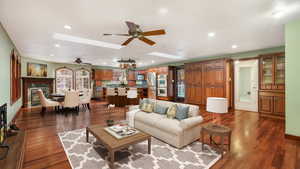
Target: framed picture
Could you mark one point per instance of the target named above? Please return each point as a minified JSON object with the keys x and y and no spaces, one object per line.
{"x":36,"y":70}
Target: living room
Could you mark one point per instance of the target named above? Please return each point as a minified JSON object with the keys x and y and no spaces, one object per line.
{"x":177,"y":84}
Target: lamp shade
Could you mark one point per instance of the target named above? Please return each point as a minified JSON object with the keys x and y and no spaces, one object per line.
{"x":217,"y":105}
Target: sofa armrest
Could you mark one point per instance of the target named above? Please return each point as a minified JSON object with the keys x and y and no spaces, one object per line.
{"x":190,"y":122}
{"x":134,"y":107}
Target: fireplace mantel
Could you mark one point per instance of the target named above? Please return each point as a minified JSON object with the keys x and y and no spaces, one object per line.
{"x":29,"y":82}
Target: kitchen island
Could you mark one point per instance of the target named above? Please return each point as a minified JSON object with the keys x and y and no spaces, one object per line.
{"x":121,"y":100}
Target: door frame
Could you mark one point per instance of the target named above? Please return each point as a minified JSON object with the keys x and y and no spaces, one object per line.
{"x":235,"y":80}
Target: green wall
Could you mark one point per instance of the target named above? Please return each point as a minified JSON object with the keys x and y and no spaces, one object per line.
{"x":292,"y":37}
{"x":6,"y":46}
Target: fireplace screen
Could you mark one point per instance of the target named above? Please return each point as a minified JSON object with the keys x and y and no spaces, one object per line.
{"x":34,"y":99}
{"x":3,"y":123}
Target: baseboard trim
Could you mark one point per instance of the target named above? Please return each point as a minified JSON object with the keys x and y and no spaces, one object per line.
{"x":292,"y":137}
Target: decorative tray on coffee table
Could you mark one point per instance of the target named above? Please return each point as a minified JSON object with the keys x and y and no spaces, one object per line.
{"x":121,"y":131}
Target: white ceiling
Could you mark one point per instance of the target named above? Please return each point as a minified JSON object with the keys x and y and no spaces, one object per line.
{"x":249,"y":24}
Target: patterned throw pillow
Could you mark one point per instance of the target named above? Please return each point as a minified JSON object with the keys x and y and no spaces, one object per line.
{"x":182,"y":112}
{"x":171,"y":113}
{"x":160,"y":109}
{"x":142,"y":102}
{"x":147,"y":107}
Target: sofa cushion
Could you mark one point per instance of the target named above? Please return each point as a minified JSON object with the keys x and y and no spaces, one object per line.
{"x":147,"y":118}
{"x":159,"y":121}
{"x":169,"y":125}
{"x":171,"y":112}
{"x":182,"y":112}
{"x":160,"y":109}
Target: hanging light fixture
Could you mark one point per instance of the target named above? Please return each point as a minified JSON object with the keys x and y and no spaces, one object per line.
{"x":127,"y":63}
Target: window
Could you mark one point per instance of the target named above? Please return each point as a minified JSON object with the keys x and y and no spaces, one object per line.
{"x":64,"y":80}
{"x":82,"y":79}
{"x":15,"y":69}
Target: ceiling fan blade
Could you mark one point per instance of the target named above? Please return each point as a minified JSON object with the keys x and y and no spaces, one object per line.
{"x":153,"y":33}
{"x":128,"y":41}
{"x":117,"y":34}
{"x":132,"y":26}
{"x":146,"y":40}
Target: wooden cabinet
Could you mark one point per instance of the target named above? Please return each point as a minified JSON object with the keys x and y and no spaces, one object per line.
{"x":208,"y":79}
{"x":272,"y":84}
{"x":164,"y":70}
{"x":272,"y":71}
{"x":266,"y":104}
{"x":279,"y":105}
{"x":272,"y":103}
{"x":103,"y":74}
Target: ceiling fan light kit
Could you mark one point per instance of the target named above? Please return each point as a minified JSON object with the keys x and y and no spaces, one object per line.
{"x":135,"y":32}
{"x":79,"y":61}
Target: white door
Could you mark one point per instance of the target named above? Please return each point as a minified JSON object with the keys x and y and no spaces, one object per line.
{"x":246,"y":85}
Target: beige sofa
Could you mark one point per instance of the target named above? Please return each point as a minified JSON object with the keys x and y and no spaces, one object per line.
{"x":172,"y":131}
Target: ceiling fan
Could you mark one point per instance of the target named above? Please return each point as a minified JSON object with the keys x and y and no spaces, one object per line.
{"x":79,"y":61}
{"x":136,"y":32}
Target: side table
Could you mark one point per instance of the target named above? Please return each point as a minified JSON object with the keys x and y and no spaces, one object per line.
{"x":216,"y":130}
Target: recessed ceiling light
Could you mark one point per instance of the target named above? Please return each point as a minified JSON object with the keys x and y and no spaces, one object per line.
{"x":52,"y":55}
{"x":211,"y":34}
{"x":57,"y":45}
{"x":163,"y":10}
{"x":104,"y":63}
{"x":152,"y":61}
{"x":165,"y":55}
{"x":68,"y":27}
{"x":234,"y":46}
{"x":76,"y":39}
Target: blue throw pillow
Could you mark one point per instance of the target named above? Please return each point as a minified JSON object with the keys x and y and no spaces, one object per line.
{"x":182,"y":112}
{"x":160,"y":109}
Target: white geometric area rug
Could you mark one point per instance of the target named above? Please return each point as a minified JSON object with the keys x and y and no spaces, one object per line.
{"x":93,"y":155}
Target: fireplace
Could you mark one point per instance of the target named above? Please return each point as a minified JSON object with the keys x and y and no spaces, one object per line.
{"x":3,"y":123}
{"x":30,"y":88}
{"x":33,"y":97}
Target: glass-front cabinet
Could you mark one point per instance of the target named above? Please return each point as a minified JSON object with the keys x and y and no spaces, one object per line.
{"x":272,"y":85}
{"x":280,"y":70}
{"x":272,"y":68}
{"x":267,"y":70}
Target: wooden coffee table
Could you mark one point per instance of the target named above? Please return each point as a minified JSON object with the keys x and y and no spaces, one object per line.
{"x":112,"y":144}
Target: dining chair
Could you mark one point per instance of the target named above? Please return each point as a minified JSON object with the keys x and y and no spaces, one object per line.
{"x":86,"y":99}
{"x":122,"y":91}
{"x":72,"y":100}
{"x":111,"y":92}
{"x":47,"y":102}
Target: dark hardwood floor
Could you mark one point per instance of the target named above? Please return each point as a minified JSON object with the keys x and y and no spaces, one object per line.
{"x":257,"y":142}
